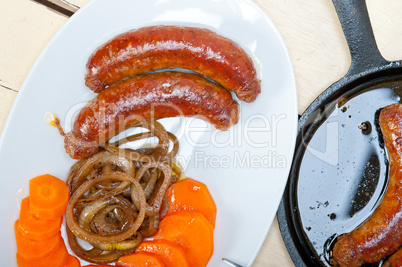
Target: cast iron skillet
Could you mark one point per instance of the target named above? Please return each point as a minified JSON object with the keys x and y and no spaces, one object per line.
{"x":339,"y":171}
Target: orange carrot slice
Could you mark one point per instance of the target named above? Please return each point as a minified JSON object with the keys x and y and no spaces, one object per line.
{"x":35,"y":228}
{"x":33,"y":250}
{"x":171,"y":254}
{"x":191,"y":231}
{"x":56,"y":259}
{"x":189,"y":194}
{"x":72,"y":261}
{"x":48,"y":197}
{"x":140,"y":259}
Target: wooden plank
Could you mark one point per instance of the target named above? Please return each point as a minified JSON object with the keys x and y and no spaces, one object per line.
{"x":59,"y":6}
{"x":69,"y":5}
{"x":25,"y":29}
{"x":79,"y":3}
{"x":315,"y":42}
{"x":386,"y":21}
{"x":273,"y":252}
{"x":6,"y":101}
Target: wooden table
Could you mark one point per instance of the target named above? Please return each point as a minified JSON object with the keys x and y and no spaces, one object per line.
{"x":310,"y":29}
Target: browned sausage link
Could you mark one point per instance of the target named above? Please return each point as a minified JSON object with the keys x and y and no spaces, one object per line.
{"x":149,"y":97}
{"x":381,"y":234}
{"x":159,"y":47}
{"x":395,"y":260}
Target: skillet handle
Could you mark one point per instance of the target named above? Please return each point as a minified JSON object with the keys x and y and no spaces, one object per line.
{"x":359,"y":35}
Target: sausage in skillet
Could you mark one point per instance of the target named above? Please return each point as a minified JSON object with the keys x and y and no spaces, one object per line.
{"x":381,"y":234}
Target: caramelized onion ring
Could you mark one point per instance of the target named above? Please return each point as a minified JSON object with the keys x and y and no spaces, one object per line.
{"x":138,"y":198}
{"x":153,"y":209}
{"x":118,"y":195}
{"x":155,"y":129}
{"x":130,"y":154}
{"x":88,"y":166}
{"x":150,"y":226}
{"x":102,"y":194}
{"x":131,"y":243}
{"x":159,"y":153}
{"x":93,"y":255}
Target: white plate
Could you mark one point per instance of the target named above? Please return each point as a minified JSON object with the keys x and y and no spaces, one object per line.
{"x":245,"y":168}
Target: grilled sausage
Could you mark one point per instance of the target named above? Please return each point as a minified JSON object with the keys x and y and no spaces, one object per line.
{"x":148,"y":97}
{"x":159,"y":47}
{"x":381,"y":234}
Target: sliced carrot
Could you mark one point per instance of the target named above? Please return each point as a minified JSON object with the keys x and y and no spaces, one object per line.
{"x":48,"y":197}
{"x":32,"y":250}
{"x":97,"y":265}
{"x":72,"y":261}
{"x":189,"y":194}
{"x":191,"y":231}
{"x":140,"y":259}
{"x":32,"y":227}
{"x":171,"y":254}
{"x":56,"y":259}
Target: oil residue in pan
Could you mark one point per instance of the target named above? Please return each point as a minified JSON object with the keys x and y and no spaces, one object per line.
{"x":343,"y":173}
